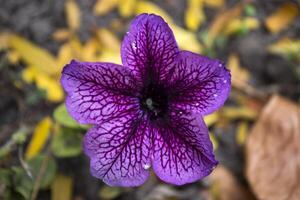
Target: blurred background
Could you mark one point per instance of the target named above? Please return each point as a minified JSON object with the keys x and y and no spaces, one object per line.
{"x":256,"y":135}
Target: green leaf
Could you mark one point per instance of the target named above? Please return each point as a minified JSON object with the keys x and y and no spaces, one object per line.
{"x":23,"y":184}
{"x":250,"y":10}
{"x":62,"y":116}
{"x":67,"y":143}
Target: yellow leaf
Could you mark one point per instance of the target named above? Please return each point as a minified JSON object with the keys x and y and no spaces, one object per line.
{"x":13,"y":57}
{"x":233,"y":113}
{"x":108,"y":40}
{"x":214,"y":141}
{"x":239,"y":76}
{"x":242,"y":133}
{"x":34,"y":55}
{"x":51,"y":85}
{"x":62,"y":188}
{"x":65,"y":55}
{"x":194,"y":15}
{"x":39,"y":138}
{"x":73,"y":14}
{"x":126,"y":7}
{"x":102,"y":7}
{"x":76,"y":47}
{"x":286,"y":47}
{"x":221,"y":20}
{"x":91,"y":49}
{"x":211,"y":119}
{"x":282,"y":17}
{"x":237,"y":24}
{"x":62,"y":34}
{"x":186,"y":40}
{"x":214,"y":3}
{"x":110,"y":56}
{"x":4,"y":40}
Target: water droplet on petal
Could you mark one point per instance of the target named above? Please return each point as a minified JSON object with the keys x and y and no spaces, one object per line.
{"x":127,"y":32}
{"x":225,"y":81}
{"x":197,"y":104}
{"x":215,"y":95}
{"x":146,"y":166}
{"x":220,"y":65}
{"x":133,"y":45}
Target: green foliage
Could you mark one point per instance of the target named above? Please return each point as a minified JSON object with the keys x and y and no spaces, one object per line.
{"x":67,"y":143}
{"x":62,"y":116}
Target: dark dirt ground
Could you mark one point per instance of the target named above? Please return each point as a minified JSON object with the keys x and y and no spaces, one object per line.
{"x":37,"y":20}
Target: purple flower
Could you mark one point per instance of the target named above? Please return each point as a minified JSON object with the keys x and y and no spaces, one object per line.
{"x":149,"y":112}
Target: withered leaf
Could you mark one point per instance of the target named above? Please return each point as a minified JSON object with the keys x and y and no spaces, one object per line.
{"x":273,"y":152}
{"x":226,"y":187}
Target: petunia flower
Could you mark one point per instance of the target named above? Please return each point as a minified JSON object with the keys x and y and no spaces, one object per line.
{"x":149,"y":112}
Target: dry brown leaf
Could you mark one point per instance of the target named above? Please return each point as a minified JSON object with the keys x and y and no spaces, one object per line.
{"x":226,"y":187}
{"x":282,"y":17}
{"x":273,"y":152}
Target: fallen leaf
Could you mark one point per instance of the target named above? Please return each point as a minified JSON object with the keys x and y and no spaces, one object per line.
{"x":4,"y":40}
{"x":62,"y":188}
{"x":186,"y":40}
{"x":273,"y":151}
{"x":282,"y":17}
{"x":239,"y":25}
{"x":286,"y":47}
{"x":34,"y":55}
{"x":103,"y":7}
{"x":52,"y":86}
{"x":221,"y":20}
{"x":108,"y":40}
{"x":194,"y":14}
{"x":241,"y":133}
{"x":233,"y":113}
{"x":214,"y":141}
{"x":214,"y":3}
{"x":226,"y":187}
{"x":39,"y":138}
{"x":91,"y":50}
{"x":73,"y":14}
{"x":239,"y":75}
{"x":211,"y":119}
{"x":126,"y":7}
{"x":61,"y":34}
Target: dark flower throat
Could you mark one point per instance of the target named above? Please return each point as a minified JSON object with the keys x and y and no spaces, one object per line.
{"x":154,"y":101}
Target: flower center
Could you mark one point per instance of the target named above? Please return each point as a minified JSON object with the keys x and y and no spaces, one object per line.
{"x":154,"y":101}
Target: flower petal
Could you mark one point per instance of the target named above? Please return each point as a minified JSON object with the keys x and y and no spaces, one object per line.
{"x":119,"y":151}
{"x":199,"y":83}
{"x":183,"y":152}
{"x":149,"y":48}
{"x":98,"y":91}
